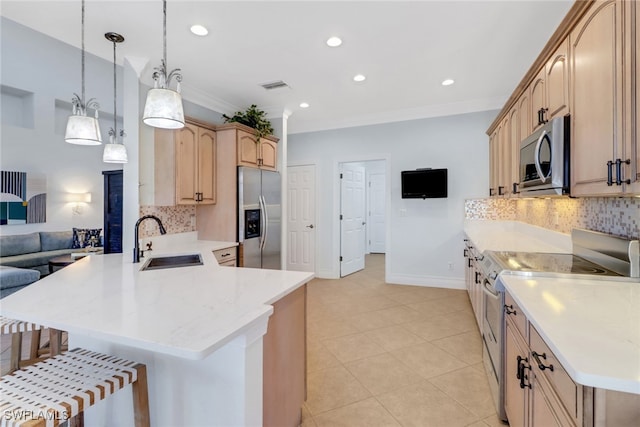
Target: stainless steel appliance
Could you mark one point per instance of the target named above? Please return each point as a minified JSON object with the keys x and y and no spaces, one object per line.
{"x":594,"y":255}
{"x":544,"y":160}
{"x":259,"y":217}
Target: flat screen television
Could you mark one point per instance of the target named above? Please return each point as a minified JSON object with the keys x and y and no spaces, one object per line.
{"x":424,"y":184}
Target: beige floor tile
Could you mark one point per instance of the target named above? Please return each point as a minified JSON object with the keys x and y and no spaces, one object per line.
{"x":394,"y":337}
{"x":333,"y":388}
{"x":469,"y":388}
{"x":435,"y":328}
{"x":375,"y":303}
{"x":425,"y":292}
{"x":382,"y":373}
{"x":353,"y":347}
{"x":477,"y":424}
{"x":467,"y":347}
{"x":428,"y":360}
{"x":401,"y":314}
{"x":307,"y":419}
{"x":367,"y":413}
{"x":328,"y":328}
{"x":465,"y":320}
{"x":433,"y":307}
{"x":423,"y":405}
{"x":369,"y":320}
{"x":318,"y":357}
{"x":479,"y":367}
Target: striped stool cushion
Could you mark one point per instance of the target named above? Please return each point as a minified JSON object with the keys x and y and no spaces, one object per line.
{"x":11,"y":326}
{"x":61,"y":387}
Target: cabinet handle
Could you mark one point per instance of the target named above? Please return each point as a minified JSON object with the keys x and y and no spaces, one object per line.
{"x":500,"y":190}
{"x":523,"y":376}
{"x":520,"y":359}
{"x":609,"y":173}
{"x":224,"y":255}
{"x":543,"y":111}
{"x":490,"y":192}
{"x":470,"y":261}
{"x":619,"y":163}
{"x":515,"y":188}
{"x":541,"y":365}
{"x":509,"y":310}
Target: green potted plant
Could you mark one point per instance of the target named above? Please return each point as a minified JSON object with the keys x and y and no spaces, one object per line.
{"x":252,"y":117}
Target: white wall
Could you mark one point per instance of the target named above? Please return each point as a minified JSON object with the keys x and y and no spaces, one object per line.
{"x":423,"y":236}
{"x":50,"y":70}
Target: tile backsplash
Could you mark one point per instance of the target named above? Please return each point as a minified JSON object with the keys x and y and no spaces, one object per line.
{"x":176,"y":219}
{"x":613,"y":215}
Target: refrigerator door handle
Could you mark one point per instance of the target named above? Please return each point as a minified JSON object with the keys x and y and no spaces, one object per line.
{"x":265,"y":219}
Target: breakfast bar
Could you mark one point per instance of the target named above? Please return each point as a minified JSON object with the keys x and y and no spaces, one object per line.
{"x":199,"y":329}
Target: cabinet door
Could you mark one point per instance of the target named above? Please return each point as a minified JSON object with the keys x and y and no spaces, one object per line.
{"x":557,"y":82}
{"x":632,"y":145}
{"x":493,"y":162}
{"x":504,"y":158}
{"x":538,"y":100}
{"x":524,"y":112}
{"x":247,"y":149}
{"x":515,"y":404}
{"x":596,"y":95}
{"x":514,"y":145}
{"x":545,"y":409}
{"x":268,"y":154}
{"x":206,"y":166}
{"x":187,"y":165}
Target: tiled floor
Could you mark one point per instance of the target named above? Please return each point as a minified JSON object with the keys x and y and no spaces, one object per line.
{"x":391,"y":355}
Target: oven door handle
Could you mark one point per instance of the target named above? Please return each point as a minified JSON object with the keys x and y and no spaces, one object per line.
{"x":487,"y":290}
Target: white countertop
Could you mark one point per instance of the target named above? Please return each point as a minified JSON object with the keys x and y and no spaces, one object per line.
{"x":515,"y":236}
{"x":187,"y":312}
{"x":592,"y":326}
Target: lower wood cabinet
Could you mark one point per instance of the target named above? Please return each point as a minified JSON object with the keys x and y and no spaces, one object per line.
{"x":226,"y":257}
{"x":540,"y":393}
{"x":285,"y":363}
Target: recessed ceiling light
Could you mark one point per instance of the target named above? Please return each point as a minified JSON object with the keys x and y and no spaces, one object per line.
{"x":448,"y":82}
{"x":199,"y":30}
{"x":334,"y":41}
{"x":304,"y":105}
{"x":359,"y":78}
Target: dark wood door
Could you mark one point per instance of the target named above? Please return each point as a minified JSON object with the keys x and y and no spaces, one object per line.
{"x":112,"y":211}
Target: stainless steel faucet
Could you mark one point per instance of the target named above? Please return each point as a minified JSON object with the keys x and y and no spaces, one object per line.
{"x":136,"y":243}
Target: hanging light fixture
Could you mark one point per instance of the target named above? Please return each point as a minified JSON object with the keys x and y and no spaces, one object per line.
{"x":81,"y":129}
{"x":114,"y":151}
{"x":163,"y":108}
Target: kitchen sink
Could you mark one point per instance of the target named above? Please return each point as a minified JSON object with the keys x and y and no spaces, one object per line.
{"x":175,"y":261}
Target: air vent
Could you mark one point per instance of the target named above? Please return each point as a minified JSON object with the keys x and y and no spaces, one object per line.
{"x":274,"y":85}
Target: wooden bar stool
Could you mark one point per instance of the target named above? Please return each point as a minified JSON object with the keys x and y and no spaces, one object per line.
{"x":62,"y":387}
{"x":16,"y":328}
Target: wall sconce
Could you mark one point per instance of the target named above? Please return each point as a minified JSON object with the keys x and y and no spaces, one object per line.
{"x":78,"y":199}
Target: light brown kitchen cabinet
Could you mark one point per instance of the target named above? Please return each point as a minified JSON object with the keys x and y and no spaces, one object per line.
{"x":195,"y":165}
{"x":538,"y":100}
{"x":597,"y":96}
{"x":504,"y":159}
{"x":557,"y":83}
{"x":515,"y":397}
{"x":514,"y":144}
{"x":494,"y":161}
{"x":256,"y":153}
{"x":632,"y":131}
{"x":226,"y":257}
{"x":524,"y":116}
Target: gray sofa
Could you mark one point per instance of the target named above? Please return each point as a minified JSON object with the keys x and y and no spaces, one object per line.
{"x":34,"y":250}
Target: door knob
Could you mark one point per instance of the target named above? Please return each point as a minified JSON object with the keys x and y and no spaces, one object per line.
{"x":363,"y":222}
{"x":310,"y":226}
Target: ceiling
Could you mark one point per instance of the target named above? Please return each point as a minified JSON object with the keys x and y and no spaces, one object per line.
{"x":405,"y":49}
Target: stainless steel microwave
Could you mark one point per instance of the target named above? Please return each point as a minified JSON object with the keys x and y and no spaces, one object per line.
{"x":544,"y":160}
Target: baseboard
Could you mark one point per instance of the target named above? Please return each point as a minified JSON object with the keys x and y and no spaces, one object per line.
{"x":428,"y":281}
{"x":326,"y":274}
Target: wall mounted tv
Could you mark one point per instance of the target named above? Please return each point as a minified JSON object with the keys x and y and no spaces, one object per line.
{"x":424,"y":184}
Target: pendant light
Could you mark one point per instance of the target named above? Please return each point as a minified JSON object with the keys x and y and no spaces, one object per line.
{"x":81,"y":129}
{"x":163,"y":108}
{"x":114,"y":151}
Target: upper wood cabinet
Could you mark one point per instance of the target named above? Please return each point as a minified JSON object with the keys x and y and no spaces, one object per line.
{"x":557,"y":83}
{"x":261,"y":154}
{"x":494,"y":161}
{"x":632,"y":134}
{"x":514,"y":132}
{"x":538,"y":100}
{"x":195,"y":153}
{"x":597,"y":99}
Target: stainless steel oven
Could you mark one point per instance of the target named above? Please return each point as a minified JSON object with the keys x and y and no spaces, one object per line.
{"x":594,"y":255}
{"x":544,"y":160}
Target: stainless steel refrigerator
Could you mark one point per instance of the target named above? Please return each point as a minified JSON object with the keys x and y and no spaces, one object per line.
{"x":259,"y":217}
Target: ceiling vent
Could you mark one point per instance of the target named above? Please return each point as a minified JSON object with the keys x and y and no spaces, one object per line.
{"x":274,"y":85}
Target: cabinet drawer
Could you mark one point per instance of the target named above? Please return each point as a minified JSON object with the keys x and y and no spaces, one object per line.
{"x":513,"y":311}
{"x":562,"y":383}
{"x":225,"y":255}
{"x":228,"y":263}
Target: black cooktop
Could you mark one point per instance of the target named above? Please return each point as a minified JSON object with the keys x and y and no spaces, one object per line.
{"x":549,"y":262}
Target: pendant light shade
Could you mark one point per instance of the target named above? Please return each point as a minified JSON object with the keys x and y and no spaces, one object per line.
{"x":115,"y":152}
{"x":163,"y":108}
{"x":83,"y":129}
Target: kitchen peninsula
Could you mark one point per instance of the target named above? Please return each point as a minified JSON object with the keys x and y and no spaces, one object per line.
{"x":199,"y":329}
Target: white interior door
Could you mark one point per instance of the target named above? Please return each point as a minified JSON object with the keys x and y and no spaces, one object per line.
{"x":376,"y":222}
{"x":352,"y":224}
{"x":301,"y":221}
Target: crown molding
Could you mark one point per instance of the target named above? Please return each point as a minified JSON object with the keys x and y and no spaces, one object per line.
{"x":191,"y":94}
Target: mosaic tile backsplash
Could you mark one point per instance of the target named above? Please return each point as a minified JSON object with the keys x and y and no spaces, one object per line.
{"x":176,"y":219}
{"x":618,"y":216}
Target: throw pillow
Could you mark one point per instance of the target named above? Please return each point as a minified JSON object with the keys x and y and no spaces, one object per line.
{"x":82,"y":237}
